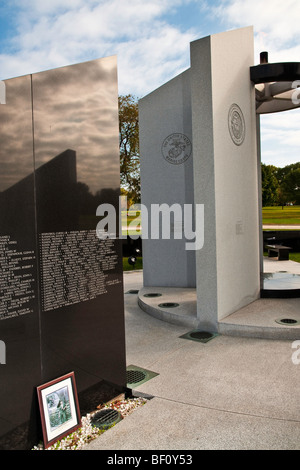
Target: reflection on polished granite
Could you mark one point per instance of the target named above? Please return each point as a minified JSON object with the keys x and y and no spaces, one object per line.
{"x":281,"y":280}
{"x":272,"y":265}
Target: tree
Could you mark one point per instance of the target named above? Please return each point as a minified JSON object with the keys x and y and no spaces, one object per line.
{"x":280,"y":185}
{"x":289,"y":179}
{"x":283,"y":172}
{"x":129,"y":148}
{"x":270,"y":185}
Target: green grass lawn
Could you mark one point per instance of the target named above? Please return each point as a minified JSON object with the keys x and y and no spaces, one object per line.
{"x":295,"y":257}
{"x":128,"y":267}
{"x":127,"y":220}
{"x":288,"y":215}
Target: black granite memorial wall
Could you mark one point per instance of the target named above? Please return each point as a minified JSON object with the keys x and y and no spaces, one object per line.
{"x":61,"y":290}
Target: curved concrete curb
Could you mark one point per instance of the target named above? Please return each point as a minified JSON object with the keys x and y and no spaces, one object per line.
{"x":184,"y":315}
{"x":257,"y":320}
{"x":262,"y":332}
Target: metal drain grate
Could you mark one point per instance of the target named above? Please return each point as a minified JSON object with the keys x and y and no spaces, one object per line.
{"x":200,"y":336}
{"x":135,"y":376}
{"x":106,"y":418}
{"x":287,"y":321}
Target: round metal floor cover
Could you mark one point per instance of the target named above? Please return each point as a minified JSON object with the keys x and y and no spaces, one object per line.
{"x":152,"y":294}
{"x":201,"y":335}
{"x":287,"y":321}
{"x":168,"y":305}
{"x":106,"y":418}
{"x":135,"y":376}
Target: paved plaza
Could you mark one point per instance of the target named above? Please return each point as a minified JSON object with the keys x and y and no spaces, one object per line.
{"x":232,"y":392}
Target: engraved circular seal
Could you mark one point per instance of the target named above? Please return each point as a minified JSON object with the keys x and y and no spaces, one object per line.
{"x":236,"y":124}
{"x":176,"y":148}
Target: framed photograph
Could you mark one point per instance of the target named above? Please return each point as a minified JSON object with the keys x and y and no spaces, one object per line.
{"x":59,"y":408}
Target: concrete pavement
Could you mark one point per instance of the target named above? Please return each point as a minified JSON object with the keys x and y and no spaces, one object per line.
{"x":281,"y":227}
{"x":229,"y":393}
{"x":258,"y":319}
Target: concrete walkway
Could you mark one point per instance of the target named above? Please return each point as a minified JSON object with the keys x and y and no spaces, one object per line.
{"x":281,"y":227}
{"x":229,"y":393}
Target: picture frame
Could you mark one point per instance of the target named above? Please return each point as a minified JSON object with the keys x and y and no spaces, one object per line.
{"x":59,"y":408}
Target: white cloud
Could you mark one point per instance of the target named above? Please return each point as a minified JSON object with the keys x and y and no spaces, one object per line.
{"x":145,"y":65}
{"x":280,"y":140}
{"x":276,"y":24}
{"x":151,"y":50}
{"x":276,"y":28}
{"x":56,"y":33}
{"x":37,"y":8}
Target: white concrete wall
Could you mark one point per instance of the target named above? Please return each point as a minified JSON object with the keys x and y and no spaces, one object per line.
{"x":204,"y":181}
{"x":220,"y":174}
{"x":165,"y":111}
{"x":228,"y":267}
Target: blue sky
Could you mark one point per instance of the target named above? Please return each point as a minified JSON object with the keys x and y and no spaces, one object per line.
{"x":151,"y":39}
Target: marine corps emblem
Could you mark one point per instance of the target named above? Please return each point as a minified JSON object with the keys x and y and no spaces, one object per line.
{"x":176,"y":148}
{"x":236,"y":124}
